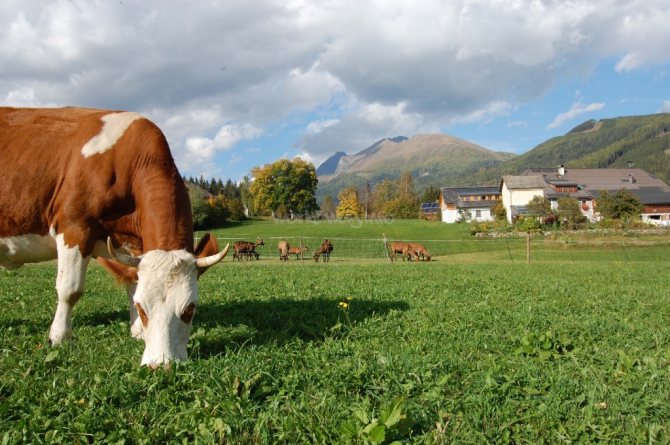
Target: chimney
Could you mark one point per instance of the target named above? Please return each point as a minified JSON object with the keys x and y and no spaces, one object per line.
{"x":561,"y":170}
{"x":632,"y":179}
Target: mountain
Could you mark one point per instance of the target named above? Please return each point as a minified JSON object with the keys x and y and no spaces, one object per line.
{"x":329,"y":165}
{"x":442,"y":160}
{"x":431,"y":158}
{"x":644,"y":141}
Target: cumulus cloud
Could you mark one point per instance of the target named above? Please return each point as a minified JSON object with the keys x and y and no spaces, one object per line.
{"x":213,"y":74}
{"x":576,"y":110}
{"x":225,"y":139}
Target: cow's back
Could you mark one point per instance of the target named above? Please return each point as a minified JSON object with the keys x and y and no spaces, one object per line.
{"x":72,"y":166}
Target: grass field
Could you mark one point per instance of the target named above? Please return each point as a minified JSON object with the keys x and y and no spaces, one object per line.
{"x":571,"y":348}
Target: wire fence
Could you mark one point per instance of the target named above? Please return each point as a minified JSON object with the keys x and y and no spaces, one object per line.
{"x":513,"y":249}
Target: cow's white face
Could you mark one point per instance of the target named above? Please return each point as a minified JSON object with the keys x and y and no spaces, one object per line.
{"x":166,"y":297}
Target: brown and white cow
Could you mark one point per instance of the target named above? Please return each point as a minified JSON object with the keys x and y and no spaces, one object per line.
{"x":75,"y":180}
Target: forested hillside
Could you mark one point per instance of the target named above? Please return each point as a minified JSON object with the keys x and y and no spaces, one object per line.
{"x":609,"y":143}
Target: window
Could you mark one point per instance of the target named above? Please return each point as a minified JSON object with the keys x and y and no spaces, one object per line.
{"x":478,"y":213}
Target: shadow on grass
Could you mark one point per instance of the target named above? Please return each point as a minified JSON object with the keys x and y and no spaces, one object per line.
{"x":278,"y":321}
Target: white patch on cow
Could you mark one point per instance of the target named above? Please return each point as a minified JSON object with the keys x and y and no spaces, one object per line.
{"x":115,"y":125}
{"x":18,"y":250}
{"x":167,"y":284}
{"x":69,"y":286}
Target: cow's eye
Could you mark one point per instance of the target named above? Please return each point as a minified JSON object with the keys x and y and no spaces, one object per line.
{"x":188,"y":313}
{"x":143,"y":315}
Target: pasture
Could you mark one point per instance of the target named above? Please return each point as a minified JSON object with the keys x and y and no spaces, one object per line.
{"x":475,"y":347}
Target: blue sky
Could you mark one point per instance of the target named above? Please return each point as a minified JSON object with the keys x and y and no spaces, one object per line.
{"x":237,"y":84}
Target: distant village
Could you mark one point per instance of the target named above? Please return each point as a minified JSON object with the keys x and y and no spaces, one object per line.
{"x":584,"y":185}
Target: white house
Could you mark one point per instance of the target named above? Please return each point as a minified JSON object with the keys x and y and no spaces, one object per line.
{"x":477,"y":202}
{"x":585,"y":185}
{"x":517,"y":191}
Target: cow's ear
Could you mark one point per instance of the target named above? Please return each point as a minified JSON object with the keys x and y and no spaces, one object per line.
{"x":124,"y":274}
{"x":206,"y":247}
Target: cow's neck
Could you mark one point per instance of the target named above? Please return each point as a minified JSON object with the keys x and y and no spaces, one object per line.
{"x":163,"y":211}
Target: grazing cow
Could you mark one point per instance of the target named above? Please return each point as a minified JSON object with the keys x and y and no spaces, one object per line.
{"x":325,"y":249}
{"x":283,"y":247}
{"x":419,"y":250}
{"x":298,"y":251}
{"x":77,"y":182}
{"x":400,"y":247}
{"x":246,"y":249}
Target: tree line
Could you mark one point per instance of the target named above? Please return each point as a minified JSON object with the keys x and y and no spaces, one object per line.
{"x":287,"y":189}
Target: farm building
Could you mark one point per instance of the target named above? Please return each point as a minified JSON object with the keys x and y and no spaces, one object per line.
{"x":585,"y":184}
{"x":477,"y":202}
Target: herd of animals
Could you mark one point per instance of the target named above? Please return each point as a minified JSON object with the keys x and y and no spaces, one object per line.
{"x":247,"y":250}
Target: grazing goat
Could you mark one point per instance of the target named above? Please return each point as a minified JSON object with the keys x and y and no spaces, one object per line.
{"x":400,"y":247}
{"x":246,"y":248}
{"x":419,"y":250}
{"x":297,"y":251}
{"x":325,"y":249}
{"x":284,"y":248}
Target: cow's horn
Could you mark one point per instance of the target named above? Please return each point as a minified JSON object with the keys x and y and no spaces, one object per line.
{"x":128,"y":260}
{"x":212,"y":259}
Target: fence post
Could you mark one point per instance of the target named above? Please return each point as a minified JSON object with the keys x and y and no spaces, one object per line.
{"x":528,"y":247}
{"x":302,"y":258}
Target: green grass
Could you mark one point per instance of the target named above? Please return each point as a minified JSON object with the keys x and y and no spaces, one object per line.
{"x":467,"y":349}
{"x":362,"y":240}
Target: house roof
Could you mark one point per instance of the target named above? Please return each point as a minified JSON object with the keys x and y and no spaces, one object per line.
{"x":455,"y":195}
{"x":523,"y":182}
{"x":591,"y":181}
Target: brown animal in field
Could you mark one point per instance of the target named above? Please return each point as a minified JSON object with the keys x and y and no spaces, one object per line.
{"x":298,"y":251}
{"x":246,"y":249}
{"x":420,"y":250}
{"x":400,"y":247}
{"x":79,"y":183}
{"x":284,"y":248}
{"x":325,"y":250}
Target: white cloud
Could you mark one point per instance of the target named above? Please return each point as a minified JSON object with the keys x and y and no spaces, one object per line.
{"x":665,"y":108}
{"x":229,"y":135}
{"x":319,"y":126}
{"x":576,"y":110}
{"x":359,"y":71}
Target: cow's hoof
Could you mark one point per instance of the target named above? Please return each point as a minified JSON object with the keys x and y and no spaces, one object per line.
{"x":56,"y":338}
{"x":136,"y":330}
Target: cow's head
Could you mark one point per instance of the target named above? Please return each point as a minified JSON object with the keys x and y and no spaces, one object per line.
{"x":166,"y":297}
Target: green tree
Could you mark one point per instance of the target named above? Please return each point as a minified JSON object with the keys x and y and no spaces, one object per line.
{"x":499,"y":212}
{"x":569,"y":212}
{"x":430,"y":194}
{"x":349,"y":206}
{"x":539,"y":207}
{"x":620,"y":205}
{"x":285,"y":187}
{"x":406,"y":204}
{"x":328,"y":207}
{"x":384,"y":192}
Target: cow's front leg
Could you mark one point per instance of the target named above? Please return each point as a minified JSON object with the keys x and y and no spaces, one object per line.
{"x":136,"y":329}
{"x":69,"y":286}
